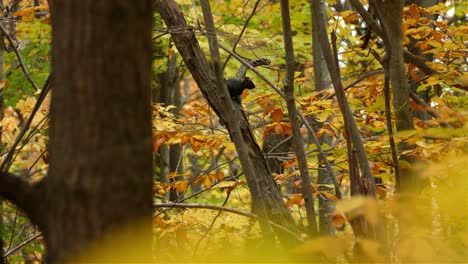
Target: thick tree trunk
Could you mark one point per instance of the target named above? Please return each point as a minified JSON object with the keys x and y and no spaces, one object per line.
{"x":100,"y":133}
{"x":2,"y":260}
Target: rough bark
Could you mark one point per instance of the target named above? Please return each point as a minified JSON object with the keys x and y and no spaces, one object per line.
{"x":187,"y":44}
{"x":100,"y":132}
{"x":2,"y":260}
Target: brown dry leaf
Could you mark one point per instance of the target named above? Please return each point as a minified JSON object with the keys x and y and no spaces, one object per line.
{"x":296,"y":199}
{"x":219,"y":176}
{"x":277,"y":114}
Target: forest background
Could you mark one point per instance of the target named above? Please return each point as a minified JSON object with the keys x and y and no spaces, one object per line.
{"x":352,"y":146}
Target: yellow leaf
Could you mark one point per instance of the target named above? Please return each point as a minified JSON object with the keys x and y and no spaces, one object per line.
{"x":323,"y":245}
{"x":172,"y":174}
{"x":181,"y":186}
{"x":359,"y":206}
{"x":207,"y":181}
{"x":379,"y":124}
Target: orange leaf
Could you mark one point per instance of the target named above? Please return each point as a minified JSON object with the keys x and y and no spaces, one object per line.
{"x":329,"y":196}
{"x":219,"y":176}
{"x":277,"y":114}
{"x":196,"y":147}
{"x":296,"y":199}
{"x":157,"y":142}
{"x":181,"y":186}
{"x":414,"y":11}
{"x":235,"y":186}
{"x":381,"y":191}
{"x":279,"y":129}
{"x":207,"y":181}
{"x":312,"y":188}
{"x":338,"y":221}
{"x":172,"y":174}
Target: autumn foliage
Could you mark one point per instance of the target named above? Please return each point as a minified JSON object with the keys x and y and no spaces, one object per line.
{"x":196,"y":162}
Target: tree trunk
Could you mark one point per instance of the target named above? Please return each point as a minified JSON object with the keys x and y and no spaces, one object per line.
{"x":322,"y":82}
{"x":2,"y":260}
{"x":100,"y":132}
{"x":262,"y":186}
{"x":292,"y":112}
{"x":392,"y":12}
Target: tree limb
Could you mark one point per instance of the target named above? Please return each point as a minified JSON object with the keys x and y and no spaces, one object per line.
{"x":306,"y":122}
{"x":4,"y":166}
{"x":22,"y":244}
{"x":372,"y":24}
{"x":18,"y":191}
{"x":20,"y":58}
{"x":226,"y":209}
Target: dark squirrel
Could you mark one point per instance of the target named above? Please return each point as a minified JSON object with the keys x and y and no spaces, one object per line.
{"x":236,"y":87}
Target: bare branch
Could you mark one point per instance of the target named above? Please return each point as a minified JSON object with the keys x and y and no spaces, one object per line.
{"x":226,"y":209}
{"x":242,"y":31}
{"x":22,"y":244}
{"x":306,"y":122}
{"x":20,"y":58}
{"x":8,"y":159}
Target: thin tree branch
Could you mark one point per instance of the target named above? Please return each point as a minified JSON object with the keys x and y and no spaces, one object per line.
{"x":306,"y":122}
{"x":212,"y":223}
{"x":20,"y":58}
{"x":372,"y":24}
{"x":388,"y":117}
{"x":292,"y":112}
{"x":17,"y":190}
{"x":22,"y":244}
{"x":226,"y":209}
{"x":4,"y":166}
{"x":358,"y":80}
{"x":242,"y":32}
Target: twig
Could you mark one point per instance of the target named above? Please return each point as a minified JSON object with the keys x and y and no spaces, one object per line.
{"x":22,"y":244}
{"x":242,"y":32}
{"x":20,"y":58}
{"x":388,"y":117}
{"x":212,"y":223}
{"x":4,"y":166}
{"x":278,"y":91}
{"x":226,"y":209}
{"x":358,"y":80}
